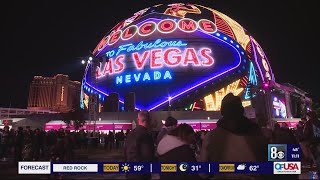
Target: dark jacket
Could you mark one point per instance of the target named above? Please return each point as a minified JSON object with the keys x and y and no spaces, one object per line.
{"x":235,"y":140}
{"x":283,"y":136}
{"x":19,"y":140}
{"x":139,"y":147}
{"x":172,"y":149}
{"x":299,"y":134}
{"x":312,"y":131}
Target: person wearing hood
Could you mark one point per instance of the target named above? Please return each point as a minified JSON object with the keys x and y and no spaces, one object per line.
{"x":236,"y":139}
{"x":175,"y":147}
{"x":170,"y":124}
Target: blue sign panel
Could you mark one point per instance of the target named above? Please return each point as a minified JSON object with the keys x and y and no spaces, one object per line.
{"x":165,"y":66}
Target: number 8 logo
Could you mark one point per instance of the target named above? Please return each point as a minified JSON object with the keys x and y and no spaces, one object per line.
{"x":274,"y":153}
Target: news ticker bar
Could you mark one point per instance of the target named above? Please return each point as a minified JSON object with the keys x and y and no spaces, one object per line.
{"x":144,"y":168}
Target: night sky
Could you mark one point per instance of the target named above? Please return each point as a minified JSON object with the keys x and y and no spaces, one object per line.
{"x":50,"y":37}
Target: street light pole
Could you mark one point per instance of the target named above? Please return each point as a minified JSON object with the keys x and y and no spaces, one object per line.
{"x":93,"y":98}
{"x":169,"y":105}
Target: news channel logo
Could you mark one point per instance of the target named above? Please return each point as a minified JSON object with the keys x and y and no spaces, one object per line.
{"x":287,"y":167}
{"x":277,"y":152}
{"x":183,"y":167}
{"x":226,"y":167}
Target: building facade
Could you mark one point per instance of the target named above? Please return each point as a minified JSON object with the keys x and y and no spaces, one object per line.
{"x":56,"y":93}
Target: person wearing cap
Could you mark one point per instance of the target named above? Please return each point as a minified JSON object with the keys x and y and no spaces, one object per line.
{"x":236,"y":139}
{"x":169,"y":124}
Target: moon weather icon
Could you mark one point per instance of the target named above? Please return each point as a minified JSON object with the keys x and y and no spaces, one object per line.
{"x":183,"y":167}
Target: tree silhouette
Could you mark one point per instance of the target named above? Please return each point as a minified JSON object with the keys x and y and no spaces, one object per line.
{"x":76,"y":118}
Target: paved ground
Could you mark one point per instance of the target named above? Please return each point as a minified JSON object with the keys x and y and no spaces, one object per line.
{"x":8,"y":169}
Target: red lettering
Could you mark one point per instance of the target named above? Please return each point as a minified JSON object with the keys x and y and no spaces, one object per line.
{"x":103,"y":42}
{"x":140,"y":61}
{"x":205,"y":54}
{"x":119,"y":64}
{"x":98,"y":74}
{"x":191,"y":57}
{"x":176,"y":58}
{"x":291,"y":166}
{"x":154,"y":57}
{"x":115,"y":37}
{"x":167,"y":26}
{"x":108,"y":67}
{"x":187,"y":25}
{"x":207,"y":26}
{"x":147,"y":28}
{"x":129,"y":32}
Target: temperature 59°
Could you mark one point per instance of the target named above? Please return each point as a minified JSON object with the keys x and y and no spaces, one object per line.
{"x":138,"y":167}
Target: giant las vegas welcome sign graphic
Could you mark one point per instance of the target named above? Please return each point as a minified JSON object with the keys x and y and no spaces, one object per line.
{"x":163,"y":58}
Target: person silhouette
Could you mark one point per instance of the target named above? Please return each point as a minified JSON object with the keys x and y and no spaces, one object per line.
{"x":236,"y":139}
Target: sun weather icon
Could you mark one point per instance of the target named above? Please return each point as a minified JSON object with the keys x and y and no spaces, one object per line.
{"x":125,"y":167}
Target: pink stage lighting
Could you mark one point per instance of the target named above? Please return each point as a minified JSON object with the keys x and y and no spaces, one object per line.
{"x":265,"y":84}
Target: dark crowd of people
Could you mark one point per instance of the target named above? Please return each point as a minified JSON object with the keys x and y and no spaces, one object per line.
{"x":34,"y":145}
{"x":235,"y":139}
{"x":25,"y":144}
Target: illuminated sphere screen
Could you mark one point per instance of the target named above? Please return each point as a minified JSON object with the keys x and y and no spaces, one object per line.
{"x":174,"y":55}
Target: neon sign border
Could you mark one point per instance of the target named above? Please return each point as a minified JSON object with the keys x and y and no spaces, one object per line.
{"x":85,"y":83}
{"x":222,"y":38}
{"x":256,"y":58}
{"x":265,"y":57}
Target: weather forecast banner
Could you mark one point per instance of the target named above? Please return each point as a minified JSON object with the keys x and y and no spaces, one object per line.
{"x":164,"y":167}
{"x":168,"y":56}
{"x":282,"y":159}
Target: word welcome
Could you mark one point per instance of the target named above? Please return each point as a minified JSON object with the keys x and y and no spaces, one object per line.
{"x":164,"y":26}
{"x":158,"y":58}
{"x":144,"y":77}
{"x":159,"y":43}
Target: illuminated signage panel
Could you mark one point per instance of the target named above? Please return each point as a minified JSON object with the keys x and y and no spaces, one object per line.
{"x":160,"y":58}
{"x":213,"y":101}
{"x":261,"y":61}
{"x":279,"y":106}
